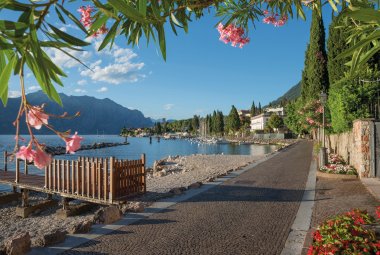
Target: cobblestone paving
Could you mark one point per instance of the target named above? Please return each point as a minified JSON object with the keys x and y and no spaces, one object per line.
{"x":335,"y":196}
{"x":250,"y":214}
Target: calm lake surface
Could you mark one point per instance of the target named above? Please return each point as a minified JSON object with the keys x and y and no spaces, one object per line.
{"x":154,"y":151}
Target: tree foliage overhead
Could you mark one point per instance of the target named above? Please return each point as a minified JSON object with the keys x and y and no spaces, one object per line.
{"x":28,"y":34}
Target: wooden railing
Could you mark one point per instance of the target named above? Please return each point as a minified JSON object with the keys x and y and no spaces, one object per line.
{"x":98,"y":179}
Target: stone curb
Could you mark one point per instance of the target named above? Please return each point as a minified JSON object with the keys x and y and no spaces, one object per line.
{"x":296,"y":238}
{"x":74,"y":240}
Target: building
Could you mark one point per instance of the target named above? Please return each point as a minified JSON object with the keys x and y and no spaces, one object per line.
{"x":279,"y":111}
{"x":243,"y":114}
{"x":258,"y":122}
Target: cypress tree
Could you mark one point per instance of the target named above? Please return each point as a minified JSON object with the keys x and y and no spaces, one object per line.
{"x":220,"y":122}
{"x":253,"y":109}
{"x":315,"y":75}
{"x":336,"y":44}
{"x":259,"y":108}
{"x":214,"y":123}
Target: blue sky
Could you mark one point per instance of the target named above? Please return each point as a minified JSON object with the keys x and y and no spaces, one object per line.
{"x":201,"y":73}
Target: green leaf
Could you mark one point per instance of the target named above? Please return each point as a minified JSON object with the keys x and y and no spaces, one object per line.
{"x":363,"y":14}
{"x":174,"y":19}
{"x":73,"y":18}
{"x":360,"y":44}
{"x":68,"y":38}
{"x":60,"y":15}
{"x":111,"y":34}
{"x":142,"y":7}
{"x":105,"y":9}
{"x":10,"y":25}
{"x":5,"y":75}
{"x":127,"y":10}
{"x":161,"y":39}
{"x":333,"y":5}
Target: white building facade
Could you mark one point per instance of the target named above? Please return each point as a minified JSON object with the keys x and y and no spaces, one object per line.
{"x":258,"y":122}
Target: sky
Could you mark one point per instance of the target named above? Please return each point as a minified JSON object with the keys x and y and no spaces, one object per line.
{"x":201,"y":73}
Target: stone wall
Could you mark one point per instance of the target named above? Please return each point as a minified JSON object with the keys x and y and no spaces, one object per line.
{"x":354,"y":146}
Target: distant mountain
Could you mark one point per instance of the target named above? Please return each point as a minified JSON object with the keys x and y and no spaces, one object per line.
{"x":292,"y":94}
{"x":96,"y":115}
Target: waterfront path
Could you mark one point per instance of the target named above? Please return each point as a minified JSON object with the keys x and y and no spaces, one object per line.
{"x":249,"y":214}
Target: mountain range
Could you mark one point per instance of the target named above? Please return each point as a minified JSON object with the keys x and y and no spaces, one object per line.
{"x":292,"y":94}
{"x":96,"y":115}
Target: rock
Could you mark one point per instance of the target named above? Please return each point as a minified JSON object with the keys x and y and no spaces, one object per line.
{"x":155,"y":166}
{"x":135,"y":207}
{"x":81,"y":227}
{"x":111,"y":214}
{"x":176,"y":191}
{"x":18,"y":244}
{"x":53,"y":237}
{"x":195,"y":185}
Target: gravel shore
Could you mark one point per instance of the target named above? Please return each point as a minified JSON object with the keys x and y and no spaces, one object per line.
{"x":182,"y":171}
{"x":168,"y":174}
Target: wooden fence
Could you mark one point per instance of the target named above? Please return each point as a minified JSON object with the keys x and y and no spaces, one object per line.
{"x":98,"y":179}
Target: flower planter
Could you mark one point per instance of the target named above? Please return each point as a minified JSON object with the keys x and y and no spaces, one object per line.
{"x":336,"y":176}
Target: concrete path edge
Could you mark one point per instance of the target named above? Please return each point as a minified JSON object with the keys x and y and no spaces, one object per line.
{"x":297,"y":235}
{"x":74,"y":240}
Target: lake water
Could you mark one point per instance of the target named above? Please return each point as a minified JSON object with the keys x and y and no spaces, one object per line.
{"x":154,"y":151}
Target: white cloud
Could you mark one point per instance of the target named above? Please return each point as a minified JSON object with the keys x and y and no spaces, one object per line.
{"x":102,"y":89}
{"x":82,"y":82}
{"x":168,"y":107}
{"x":80,"y":91}
{"x":63,"y":60}
{"x":14,"y":93}
{"x":122,"y":69}
{"x":33,"y":88}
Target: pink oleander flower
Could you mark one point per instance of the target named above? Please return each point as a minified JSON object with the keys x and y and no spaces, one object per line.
{"x":269,"y":19}
{"x":310,"y":121}
{"x":41,"y":159}
{"x":37,"y":117}
{"x":281,"y":22}
{"x":265,"y":12}
{"x":26,"y":153}
{"x":86,"y":15}
{"x":272,"y":19}
{"x":86,"y":20}
{"x":232,"y":34}
{"x":319,"y":109}
{"x":73,"y":143}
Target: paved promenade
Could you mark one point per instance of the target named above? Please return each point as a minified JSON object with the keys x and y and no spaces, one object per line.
{"x":250,"y":214}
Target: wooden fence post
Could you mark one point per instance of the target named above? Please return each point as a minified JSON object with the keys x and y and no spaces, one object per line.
{"x":143,"y":159}
{"x":112,"y":179}
{"x":25,"y":166}
{"x":17,"y":170}
{"x":5,"y":160}
{"x":46,"y":177}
